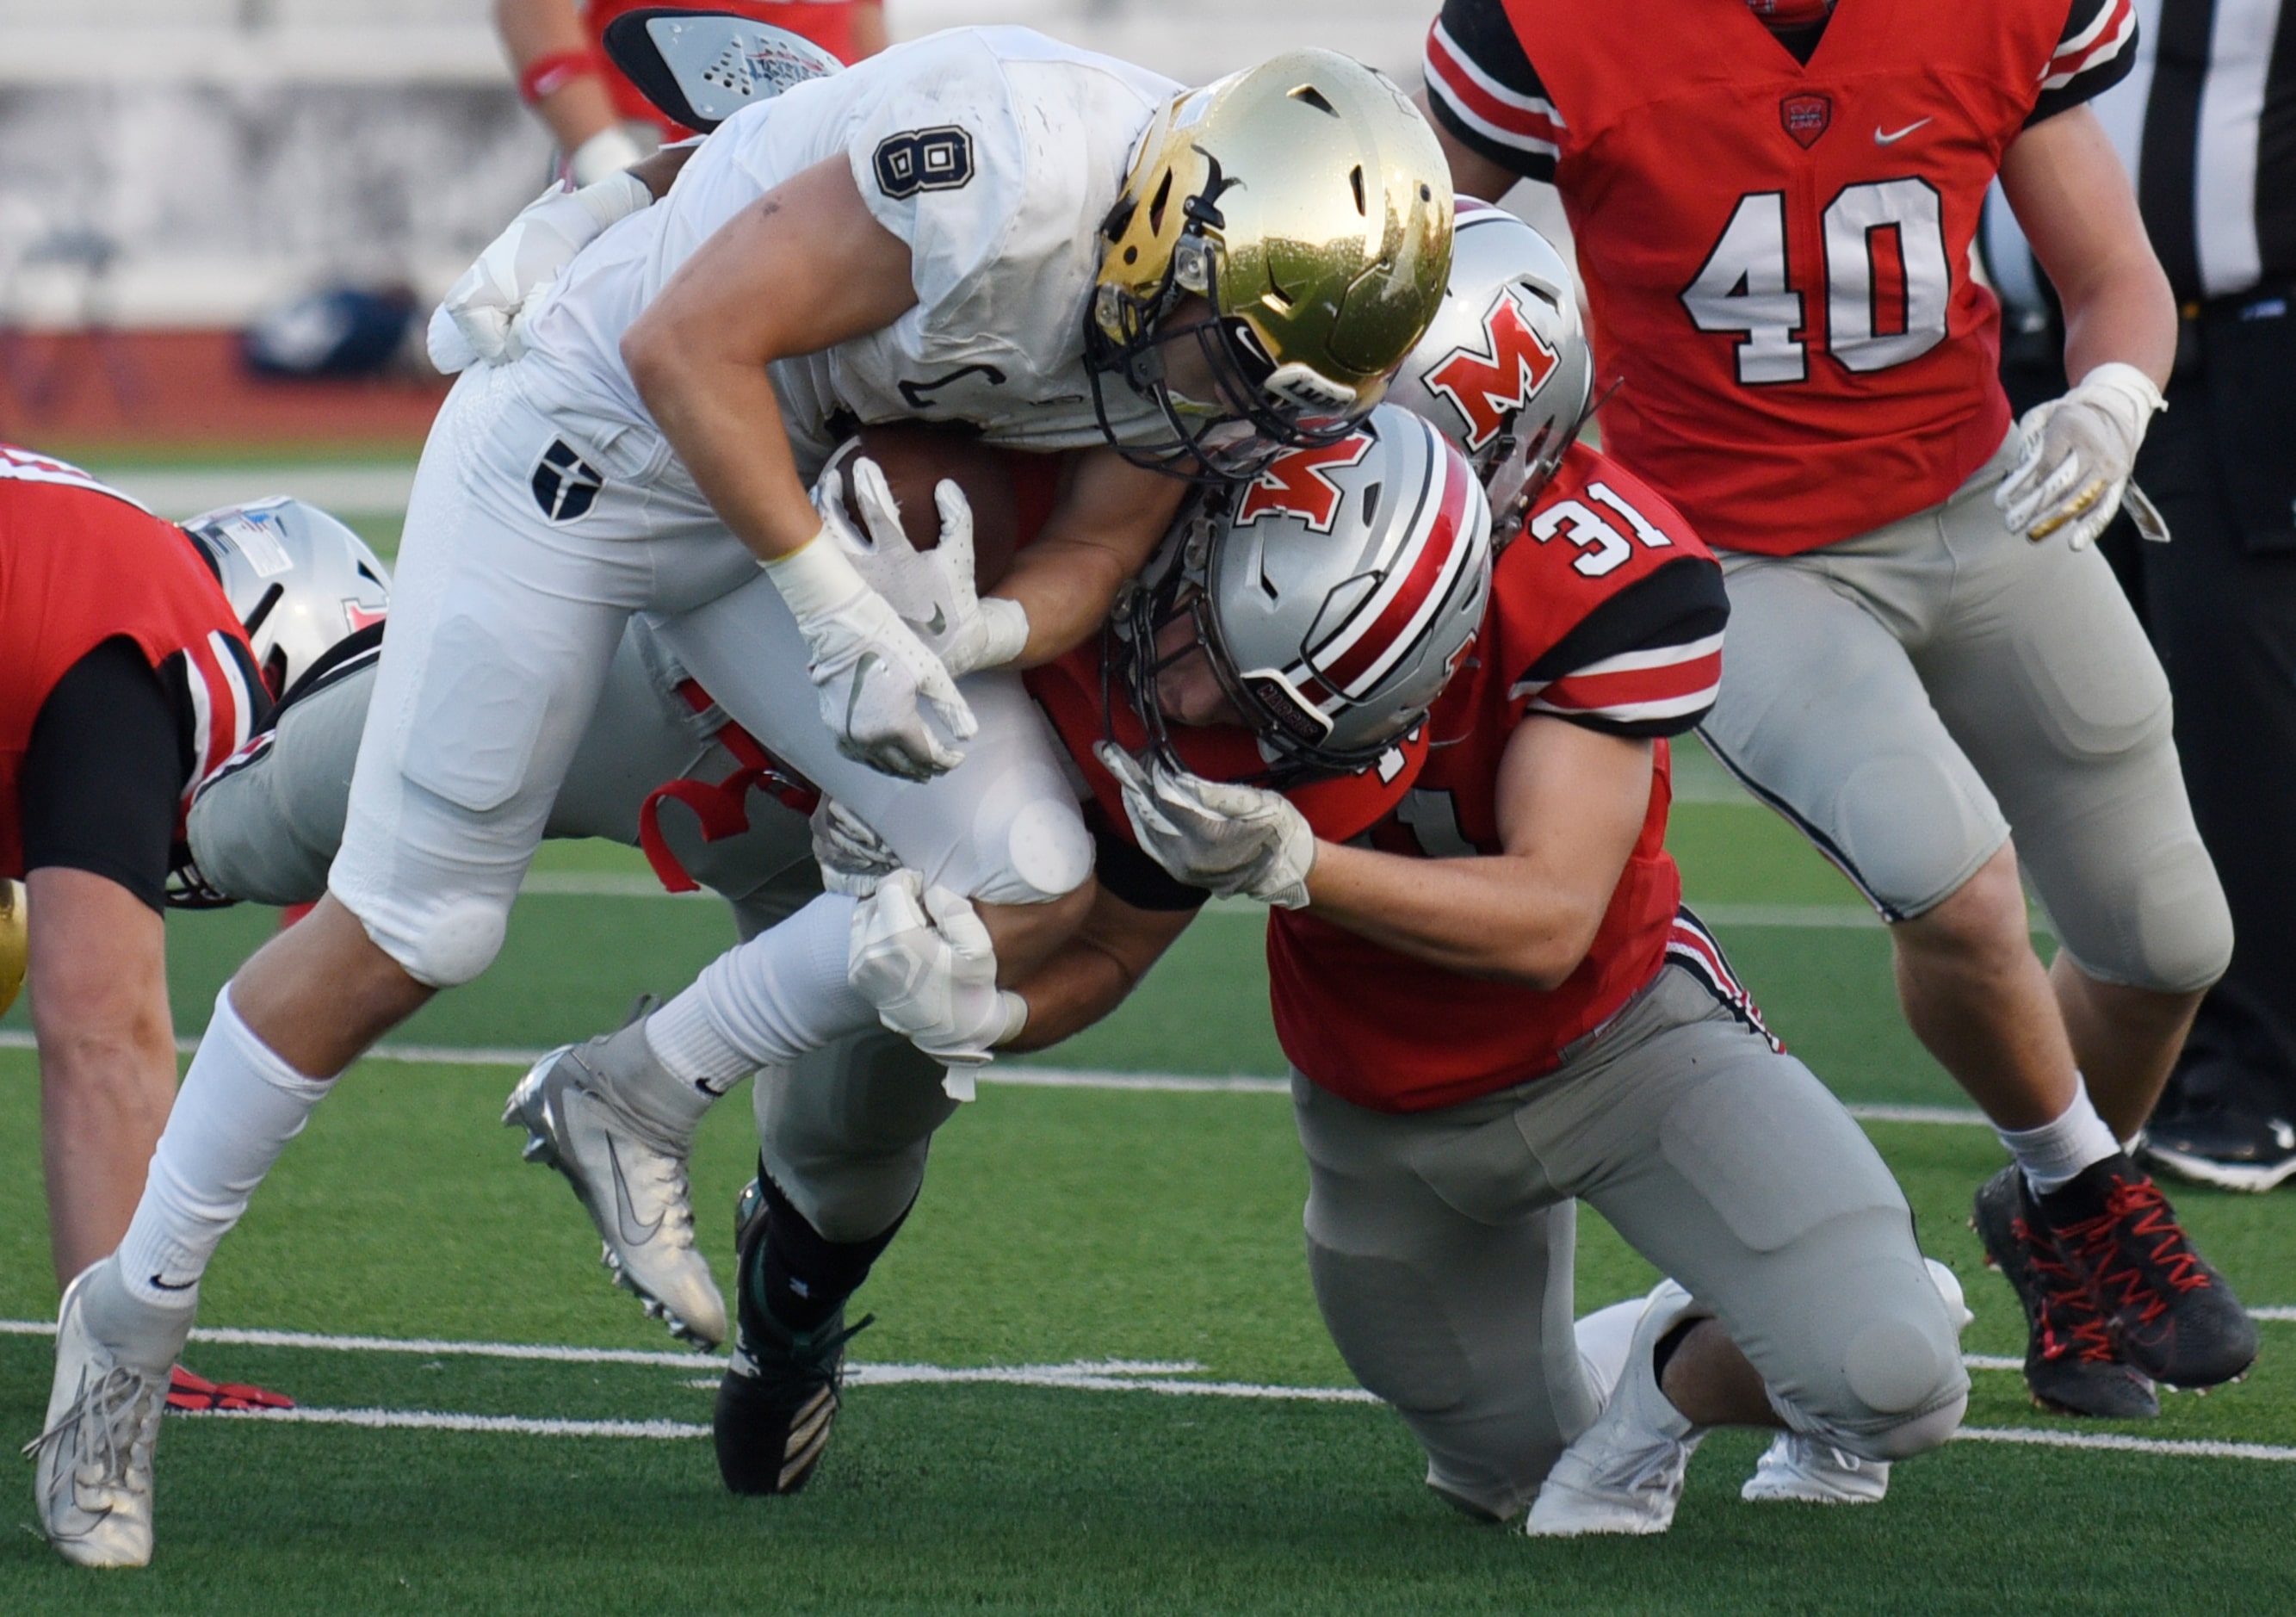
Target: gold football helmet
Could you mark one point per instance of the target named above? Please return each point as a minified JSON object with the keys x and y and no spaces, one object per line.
{"x":15,"y":942}
{"x":1307,"y":203}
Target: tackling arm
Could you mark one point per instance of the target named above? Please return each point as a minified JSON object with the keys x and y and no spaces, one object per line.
{"x":1096,"y":969}
{"x":1571,"y":803}
{"x":1109,"y":519}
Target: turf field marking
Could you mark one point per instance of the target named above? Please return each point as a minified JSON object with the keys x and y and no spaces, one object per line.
{"x":1029,"y":1078}
{"x":432,"y":1420}
{"x":2195,"y":1448}
{"x":1082,"y":1376}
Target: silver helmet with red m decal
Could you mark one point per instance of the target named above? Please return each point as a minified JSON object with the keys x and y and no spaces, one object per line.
{"x":1505,"y":371}
{"x":299,"y":580}
{"x":1334,"y":594}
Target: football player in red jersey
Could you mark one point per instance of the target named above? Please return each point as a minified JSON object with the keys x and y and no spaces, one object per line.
{"x":129,"y":677}
{"x":603,"y":122}
{"x":1924,"y":656}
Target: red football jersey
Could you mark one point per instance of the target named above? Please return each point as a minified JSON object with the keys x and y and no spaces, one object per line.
{"x":1086,"y":709}
{"x":828,"y":23}
{"x":81,"y":563}
{"x":1608,"y":612}
{"x":1777,"y":254}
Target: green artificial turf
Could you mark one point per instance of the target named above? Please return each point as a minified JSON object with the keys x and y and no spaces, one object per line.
{"x":1056,"y":1226}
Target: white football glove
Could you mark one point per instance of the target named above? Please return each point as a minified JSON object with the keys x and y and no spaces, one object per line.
{"x":853,"y":857}
{"x":2076,"y":454}
{"x":1227,"y":839}
{"x":922,"y":957}
{"x":484,"y":314}
{"x":603,"y":155}
{"x":933,"y":589}
{"x":870,"y":672}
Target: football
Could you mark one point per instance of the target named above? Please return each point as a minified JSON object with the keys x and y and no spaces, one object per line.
{"x":1008,"y":490}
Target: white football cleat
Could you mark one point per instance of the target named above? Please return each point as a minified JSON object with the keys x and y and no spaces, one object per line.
{"x":630,"y":1175}
{"x":1811,"y":1472}
{"x":93,"y":1482}
{"x":1624,"y":1474}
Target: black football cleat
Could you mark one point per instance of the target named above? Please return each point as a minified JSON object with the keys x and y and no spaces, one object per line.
{"x":780,"y":1394}
{"x":2071,"y":1363}
{"x":2219,"y":1145}
{"x":2172,"y":1315}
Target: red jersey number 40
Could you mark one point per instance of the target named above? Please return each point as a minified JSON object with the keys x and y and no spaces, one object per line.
{"x":1886,"y":283}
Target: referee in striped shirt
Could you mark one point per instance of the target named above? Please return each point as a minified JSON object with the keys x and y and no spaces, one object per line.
{"x":2207,"y":121}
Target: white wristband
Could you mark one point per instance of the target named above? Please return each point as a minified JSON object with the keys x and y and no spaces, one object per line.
{"x":815,"y":579}
{"x":615,"y":198}
{"x":611,"y":148}
{"x":1016,"y":1017}
{"x":1005,"y":626}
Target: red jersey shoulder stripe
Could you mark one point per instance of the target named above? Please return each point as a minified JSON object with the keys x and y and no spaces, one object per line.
{"x":223,"y":707}
{"x":1527,"y":124}
{"x":1637,"y":688}
{"x":2103,"y":39}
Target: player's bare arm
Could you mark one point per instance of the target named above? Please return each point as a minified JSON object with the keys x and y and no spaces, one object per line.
{"x":2073,"y":196}
{"x":1109,"y":518}
{"x":1571,"y":803}
{"x":1472,"y":173}
{"x":803,"y":269}
{"x":576,"y":107}
{"x":1096,"y":969}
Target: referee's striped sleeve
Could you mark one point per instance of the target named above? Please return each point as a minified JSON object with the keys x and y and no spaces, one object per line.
{"x":1646,"y":662}
{"x":2096,"y":51}
{"x":1483,"y":91}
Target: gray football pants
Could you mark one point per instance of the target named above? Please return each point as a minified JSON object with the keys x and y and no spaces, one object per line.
{"x":1909,"y":696}
{"x":1440,"y":1244}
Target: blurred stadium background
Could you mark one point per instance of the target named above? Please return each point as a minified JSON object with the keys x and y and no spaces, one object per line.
{"x":181,"y":171}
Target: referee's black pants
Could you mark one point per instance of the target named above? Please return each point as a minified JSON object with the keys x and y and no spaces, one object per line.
{"x":2220,"y":601}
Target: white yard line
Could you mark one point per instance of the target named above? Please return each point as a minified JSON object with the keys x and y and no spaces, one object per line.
{"x":354,"y":488}
{"x":1021,"y":1078}
{"x":1161,"y":1376}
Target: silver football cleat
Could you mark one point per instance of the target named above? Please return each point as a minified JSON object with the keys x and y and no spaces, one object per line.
{"x":629,"y":1174}
{"x":1624,"y":1474}
{"x":94,"y":1485}
{"x":1809,"y":1471}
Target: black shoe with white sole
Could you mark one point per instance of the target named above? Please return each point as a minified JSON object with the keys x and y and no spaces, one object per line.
{"x":2217,"y":1145}
{"x":780,"y":1394}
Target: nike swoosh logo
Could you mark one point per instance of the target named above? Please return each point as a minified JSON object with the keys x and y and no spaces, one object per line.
{"x":1881,"y":139}
{"x":174,"y":1285}
{"x":625,"y":1215}
{"x":933,"y":627}
{"x":861,"y":667}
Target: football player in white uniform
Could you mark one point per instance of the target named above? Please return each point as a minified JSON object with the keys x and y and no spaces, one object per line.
{"x":940,"y":234}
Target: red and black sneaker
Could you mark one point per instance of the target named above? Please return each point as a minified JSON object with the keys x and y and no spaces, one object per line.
{"x":2171,"y":1314}
{"x":196,"y":1394}
{"x":2071,"y":1363}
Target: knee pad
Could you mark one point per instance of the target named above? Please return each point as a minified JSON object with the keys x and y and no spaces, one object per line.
{"x":1041,"y":852}
{"x":1901,"y":1387}
{"x":2171,"y":931}
{"x":447,"y":945}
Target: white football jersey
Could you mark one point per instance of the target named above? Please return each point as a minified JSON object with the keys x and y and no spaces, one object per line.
{"x":995,"y":153}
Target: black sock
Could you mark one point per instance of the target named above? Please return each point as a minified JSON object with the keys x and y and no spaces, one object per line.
{"x":803,"y":1277}
{"x":1662,"y":1354}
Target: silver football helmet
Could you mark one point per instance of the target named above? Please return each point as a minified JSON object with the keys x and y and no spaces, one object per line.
{"x":299,"y":581}
{"x":1334,"y":594}
{"x":1504,"y":372}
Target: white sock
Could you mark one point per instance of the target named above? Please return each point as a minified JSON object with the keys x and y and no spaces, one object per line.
{"x":239,"y":1106}
{"x":2053,"y":1154}
{"x":766,"y":1003}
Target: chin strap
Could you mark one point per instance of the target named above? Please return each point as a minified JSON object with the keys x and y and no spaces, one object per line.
{"x":722,"y":807}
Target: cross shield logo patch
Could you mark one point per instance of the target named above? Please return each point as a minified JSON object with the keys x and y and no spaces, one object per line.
{"x":564,"y":483}
{"x":1806,"y":117}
